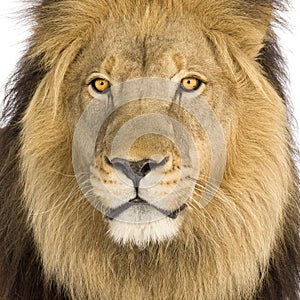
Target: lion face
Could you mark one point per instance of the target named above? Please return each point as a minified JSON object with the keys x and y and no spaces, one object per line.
{"x":144,"y":186}
{"x":155,"y":130}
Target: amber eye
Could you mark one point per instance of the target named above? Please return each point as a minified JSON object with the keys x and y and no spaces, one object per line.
{"x":190,"y":84}
{"x":100,"y":85}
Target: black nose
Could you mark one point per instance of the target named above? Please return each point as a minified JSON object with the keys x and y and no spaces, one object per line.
{"x":135,"y":170}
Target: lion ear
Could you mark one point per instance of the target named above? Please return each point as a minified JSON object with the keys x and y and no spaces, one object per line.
{"x":246,"y":23}
{"x":256,"y":17}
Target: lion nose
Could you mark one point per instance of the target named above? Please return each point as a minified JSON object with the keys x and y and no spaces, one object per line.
{"x":135,"y":170}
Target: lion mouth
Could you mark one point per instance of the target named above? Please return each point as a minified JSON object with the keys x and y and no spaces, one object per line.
{"x":114,"y":213}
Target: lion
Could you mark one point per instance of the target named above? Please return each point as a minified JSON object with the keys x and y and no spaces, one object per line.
{"x":185,"y":190}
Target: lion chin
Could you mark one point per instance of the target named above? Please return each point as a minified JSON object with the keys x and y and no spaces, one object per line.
{"x":142,"y":234}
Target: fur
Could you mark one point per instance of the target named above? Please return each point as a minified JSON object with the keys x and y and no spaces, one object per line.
{"x":243,"y":245}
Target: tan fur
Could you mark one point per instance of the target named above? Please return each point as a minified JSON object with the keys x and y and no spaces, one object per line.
{"x":222,"y":251}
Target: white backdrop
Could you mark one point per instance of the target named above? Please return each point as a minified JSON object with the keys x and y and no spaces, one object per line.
{"x":13,"y":33}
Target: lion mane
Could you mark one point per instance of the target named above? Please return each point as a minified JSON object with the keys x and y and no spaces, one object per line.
{"x":53,"y":246}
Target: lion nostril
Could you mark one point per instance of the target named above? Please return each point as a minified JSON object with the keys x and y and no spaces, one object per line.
{"x":107,"y":160}
{"x":146,"y":169}
{"x":135,"y":170}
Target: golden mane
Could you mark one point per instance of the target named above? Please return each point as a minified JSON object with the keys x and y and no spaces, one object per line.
{"x":53,"y":246}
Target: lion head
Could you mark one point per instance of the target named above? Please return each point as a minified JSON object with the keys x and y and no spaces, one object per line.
{"x":153,"y":154}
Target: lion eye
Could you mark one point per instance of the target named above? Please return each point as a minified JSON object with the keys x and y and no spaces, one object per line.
{"x":190,"y":84}
{"x":100,"y":85}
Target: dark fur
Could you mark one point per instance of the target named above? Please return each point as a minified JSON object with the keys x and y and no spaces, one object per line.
{"x":21,"y":275}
